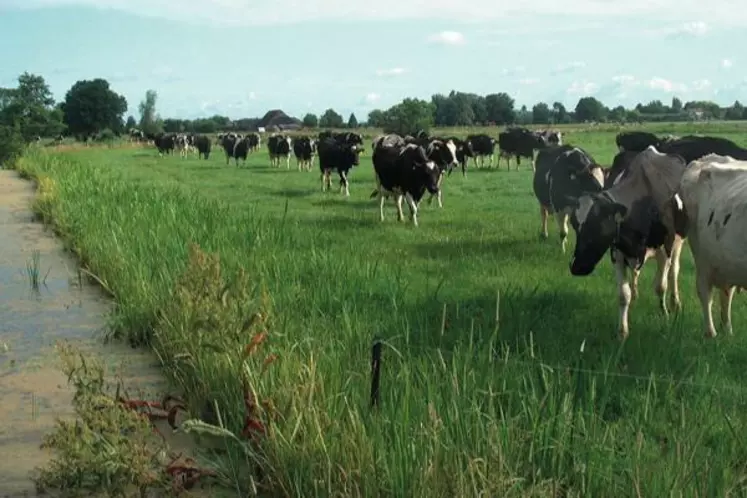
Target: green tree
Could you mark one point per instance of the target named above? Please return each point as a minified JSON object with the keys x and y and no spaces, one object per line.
{"x":408,"y":117}
{"x":310,"y":121}
{"x":736,"y":111}
{"x":352,"y":121}
{"x":500,"y":108}
{"x":376,"y":118}
{"x":560,"y":113}
{"x":676,"y":105}
{"x":29,"y":109}
{"x":590,"y":109}
{"x":541,"y":113}
{"x":330,"y":119}
{"x":131,"y":123}
{"x":617,"y":114}
{"x":90,"y":106}
{"x":150,"y":122}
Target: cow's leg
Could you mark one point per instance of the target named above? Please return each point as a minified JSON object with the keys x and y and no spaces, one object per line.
{"x":344,"y":183}
{"x":413,"y":208}
{"x":703,"y":286}
{"x":544,"y":214}
{"x":400,"y":214}
{"x":321,"y":177}
{"x":381,"y":204}
{"x":663,"y":263}
{"x":726,"y":296}
{"x":561,"y":217}
{"x":491,"y":158}
{"x":464,"y":168}
{"x":288,"y":162}
{"x":676,"y":253}
{"x":624,"y":295}
{"x":518,"y":162}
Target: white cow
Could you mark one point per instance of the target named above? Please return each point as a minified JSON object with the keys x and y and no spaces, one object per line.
{"x":713,"y":195}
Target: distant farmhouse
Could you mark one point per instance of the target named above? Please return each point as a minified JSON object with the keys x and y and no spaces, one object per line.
{"x":277,"y":120}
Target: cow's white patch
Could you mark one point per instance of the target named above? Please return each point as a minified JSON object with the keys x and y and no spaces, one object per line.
{"x":619,"y":177}
{"x":678,"y":201}
{"x":430,"y":165}
{"x":560,"y":138}
{"x":598,"y":175}
{"x":452,"y":148}
{"x":651,"y":148}
{"x":547,"y":176}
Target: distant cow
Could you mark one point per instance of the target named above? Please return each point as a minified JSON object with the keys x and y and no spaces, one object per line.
{"x":228,"y":142}
{"x":692,"y":147}
{"x":279,"y":146}
{"x":482,"y":146}
{"x":562,"y":174}
{"x":713,"y":198}
{"x":635,"y":141}
{"x":404,"y":172}
{"x":304,"y":149}
{"x":165,"y":143}
{"x":254,"y":141}
{"x":241,"y":150}
{"x":336,"y":156}
{"x":203,"y":146}
{"x":635,"y":218}
{"x":464,"y":151}
{"x":518,"y":142}
{"x":181,"y":142}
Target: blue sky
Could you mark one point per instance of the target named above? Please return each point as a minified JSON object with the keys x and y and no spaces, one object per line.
{"x":241,"y":58}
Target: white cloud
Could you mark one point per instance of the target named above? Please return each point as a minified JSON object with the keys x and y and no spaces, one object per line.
{"x":726,"y":63}
{"x":252,"y":96}
{"x":657,"y":83}
{"x":686,"y":29}
{"x":510,"y":71}
{"x":395,"y":71}
{"x":582,"y":88}
{"x":266,"y":12}
{"x":700,"y":85}
{"x":569,"y":67}
{"x":528,"y":81}
{"x":447,"y":38}
{"x":372,"y":98}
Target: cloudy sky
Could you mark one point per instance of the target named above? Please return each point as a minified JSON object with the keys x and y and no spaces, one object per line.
{"x":242,"y":57}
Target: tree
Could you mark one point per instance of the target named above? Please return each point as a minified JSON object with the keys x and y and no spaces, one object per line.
{"x":29,"y":109}
{"x":590,"y":109}
{"x":500,"y":108}
{"x":150,"y":122}
{"x":676,"y":105}
{"x":91,"y":106}
{"x":541,"y":113}
{"x":617,"y":114}
{"x":408,"y":117}
{"x":310,"y":121}
{"x":560,"y":114}
{"x":330,"y":119}
{"x":376,"y":118}
{"x":131,"y":123}
{"x":352,"y":121}
{"x":736,"y":111}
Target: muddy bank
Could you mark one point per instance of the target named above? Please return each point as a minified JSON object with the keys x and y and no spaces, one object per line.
{"x":64,"y":306}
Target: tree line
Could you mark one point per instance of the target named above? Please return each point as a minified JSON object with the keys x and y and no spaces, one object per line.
{"x":91,"y":109}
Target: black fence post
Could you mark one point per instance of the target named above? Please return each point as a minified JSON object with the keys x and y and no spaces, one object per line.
{"x":375,"y":372}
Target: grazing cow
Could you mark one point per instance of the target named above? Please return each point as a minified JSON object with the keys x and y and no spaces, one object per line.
{"x":635,"y":218}
{"x":464,"y":151}
{"x":165,"y":143}
{"x":635,"y":141}
{"x":181,"y":143}
{"x":713,"y":197}
{"x":228,"y":142}
{"x":279,"y":146}
{"x":336,"y":156}
{"x":518,"y":142}
{"x":254,"y":141}
{"x":404,"y":172}
{"x":482,"y":146}
{"x":203,"y":146}
{"x":562,"y":174}
{"x":304,"y":149}
{"x":241,"y":150}
{"x":692,"y":147}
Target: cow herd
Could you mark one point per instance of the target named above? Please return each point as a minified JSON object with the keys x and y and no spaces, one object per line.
{"x":656,"y":193}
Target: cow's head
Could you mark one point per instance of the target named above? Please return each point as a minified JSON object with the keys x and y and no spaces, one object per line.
{"x":442,"y":153}
{"x":350,"y":154}
{"x":596,"y":220}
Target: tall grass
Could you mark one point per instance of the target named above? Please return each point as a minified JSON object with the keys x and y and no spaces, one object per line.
{"x":541,"y":402}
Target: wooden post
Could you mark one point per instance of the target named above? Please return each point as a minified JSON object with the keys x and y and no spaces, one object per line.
{"x":375,"y":372}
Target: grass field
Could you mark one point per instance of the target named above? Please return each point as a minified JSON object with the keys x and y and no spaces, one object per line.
{"x":544,"y":402}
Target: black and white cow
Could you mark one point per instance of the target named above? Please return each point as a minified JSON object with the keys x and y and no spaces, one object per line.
{"x":203,"y":146}
{"x":635,"y":141}
{"x":562,"y":174}
{"x":518,"y":142}
{"x":241,"y":150}
{"x":550,"y":137}
{"x":181,"y":143}
{"x":165,"y":143}
{"x":692,"y":147}
{"x":404,"y":172}
{"x":304,"y":149}
{"x":390,"y":140}
{"x":279,"y":146}
{"x":336,"y":156}
{"x":482,"y":146}
{"x":464,"y":151}
{"x":254,"y":141}
{"x":634,"y":220}
{"x":228,"y":142}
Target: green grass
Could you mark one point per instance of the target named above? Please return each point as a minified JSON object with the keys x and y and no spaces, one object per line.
{"x":545,"y":401}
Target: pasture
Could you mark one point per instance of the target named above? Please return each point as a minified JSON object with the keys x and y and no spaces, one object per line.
{"x":502,"y":374}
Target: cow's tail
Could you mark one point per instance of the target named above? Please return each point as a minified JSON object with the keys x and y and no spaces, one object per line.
{"x":374,"y":194}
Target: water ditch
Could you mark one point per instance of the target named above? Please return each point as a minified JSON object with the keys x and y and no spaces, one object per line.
{"x":63,"y":306}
